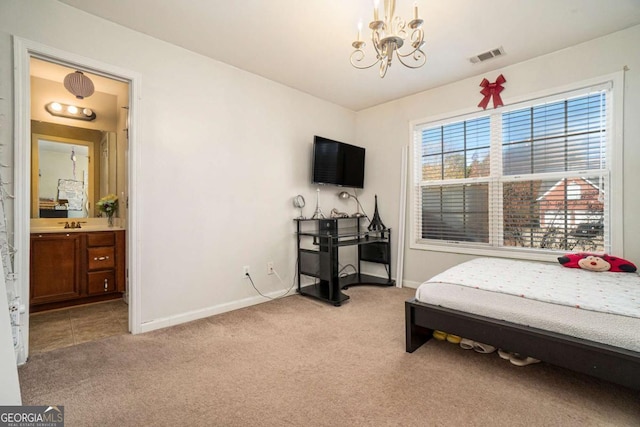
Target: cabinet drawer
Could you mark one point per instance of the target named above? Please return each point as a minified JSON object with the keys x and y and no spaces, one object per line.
{"x":101,"y":282}
{"x":101,"y":258}
{"x":101,"y":239}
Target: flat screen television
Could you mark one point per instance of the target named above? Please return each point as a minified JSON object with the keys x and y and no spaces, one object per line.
{"x":337,"y":163}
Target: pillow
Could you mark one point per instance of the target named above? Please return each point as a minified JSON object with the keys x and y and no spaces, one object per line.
{"x":596,"y":262}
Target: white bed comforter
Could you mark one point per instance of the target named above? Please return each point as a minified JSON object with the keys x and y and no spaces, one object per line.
{"x":603,"y":327}
{"x":615,"y":293}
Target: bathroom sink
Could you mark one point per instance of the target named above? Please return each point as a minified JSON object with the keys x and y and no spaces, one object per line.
{"x":57,"y":226}
{"x":61,"y":229}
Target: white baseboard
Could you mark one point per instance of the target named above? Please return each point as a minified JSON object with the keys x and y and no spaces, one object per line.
{"x":405,"y":283}
{"x":410,"y":284}
{"x":229,"y":306}
{"x":207,"y":312}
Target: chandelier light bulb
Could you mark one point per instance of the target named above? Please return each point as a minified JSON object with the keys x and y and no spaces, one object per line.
{"x":388,"y":37}
{"x":87,"y":112}
{"x":72,"y":109}
{"x":56,"y":106}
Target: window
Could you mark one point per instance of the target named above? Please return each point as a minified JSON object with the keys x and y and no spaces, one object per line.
{"x":453,"y":153}
{"x":530,"y":178}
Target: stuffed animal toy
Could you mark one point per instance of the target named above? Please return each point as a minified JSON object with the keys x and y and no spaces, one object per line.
{"x":595,"y":262}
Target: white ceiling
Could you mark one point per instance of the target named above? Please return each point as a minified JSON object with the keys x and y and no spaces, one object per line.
{"x":56,"y":72}
{"x":305,"y":44}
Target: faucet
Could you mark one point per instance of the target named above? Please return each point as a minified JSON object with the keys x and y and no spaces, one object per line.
{"x":73,"y":224}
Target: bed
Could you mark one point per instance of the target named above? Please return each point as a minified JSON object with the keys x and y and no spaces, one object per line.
{"x":577,"y":319}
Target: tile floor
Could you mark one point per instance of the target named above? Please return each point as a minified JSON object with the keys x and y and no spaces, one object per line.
{"x":49,"y":330}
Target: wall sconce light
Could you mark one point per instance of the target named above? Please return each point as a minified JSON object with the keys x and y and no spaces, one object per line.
{"x":70,"y":111}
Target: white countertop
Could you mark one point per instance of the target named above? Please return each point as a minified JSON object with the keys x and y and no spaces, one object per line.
{"x":86,"y":229}
{"x":56,"y":225}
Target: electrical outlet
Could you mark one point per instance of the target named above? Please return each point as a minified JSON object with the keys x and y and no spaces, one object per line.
{"x":270,"y":267}
{"x":245,"y":271}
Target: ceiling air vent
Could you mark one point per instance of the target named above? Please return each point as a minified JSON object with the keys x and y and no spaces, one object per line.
{"x":487,"y":55}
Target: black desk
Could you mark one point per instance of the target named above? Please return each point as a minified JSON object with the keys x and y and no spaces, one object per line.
{"x":322,"y":262}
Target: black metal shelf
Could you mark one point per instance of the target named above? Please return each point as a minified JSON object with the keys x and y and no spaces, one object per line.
{"x":358,"y":279}
{"x":353,"y":241}
{"x":373,"y":246}
{"x":322,"y":291}
{"x":344,"y":232}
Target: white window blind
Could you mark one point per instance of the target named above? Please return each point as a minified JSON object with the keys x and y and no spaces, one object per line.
{"x":530,"y":177}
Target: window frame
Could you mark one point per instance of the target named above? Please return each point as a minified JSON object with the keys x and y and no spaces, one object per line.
{"x":614,"y":161}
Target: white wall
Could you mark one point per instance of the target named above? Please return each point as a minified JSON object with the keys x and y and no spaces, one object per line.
{"x":10,"y":390}
{"x":385,"y":129}
{"x":56,"y":165}
{"x":222,"y":153}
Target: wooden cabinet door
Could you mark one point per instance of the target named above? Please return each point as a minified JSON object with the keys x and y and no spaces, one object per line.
{"x":55,"y":267}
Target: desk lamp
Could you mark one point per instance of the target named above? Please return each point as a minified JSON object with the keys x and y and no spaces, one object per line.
{"x":346,"y":196}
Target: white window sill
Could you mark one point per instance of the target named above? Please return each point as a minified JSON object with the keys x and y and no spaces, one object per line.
{"x":483,"y":250}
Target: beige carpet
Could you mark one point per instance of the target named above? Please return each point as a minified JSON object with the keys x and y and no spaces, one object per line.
{"x":298,"y":362}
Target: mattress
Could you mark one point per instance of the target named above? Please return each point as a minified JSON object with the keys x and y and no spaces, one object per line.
{"x":605,"y":327}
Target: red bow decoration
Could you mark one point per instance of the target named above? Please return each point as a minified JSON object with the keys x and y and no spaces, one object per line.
{"x":492,"y":89}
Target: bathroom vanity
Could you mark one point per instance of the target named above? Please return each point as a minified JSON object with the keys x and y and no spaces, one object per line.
{"x":70,"y":267}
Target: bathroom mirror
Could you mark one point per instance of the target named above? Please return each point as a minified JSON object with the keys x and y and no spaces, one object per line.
{"x":70,"y":173}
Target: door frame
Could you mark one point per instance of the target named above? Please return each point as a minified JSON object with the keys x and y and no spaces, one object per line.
{"x":23,"y":50}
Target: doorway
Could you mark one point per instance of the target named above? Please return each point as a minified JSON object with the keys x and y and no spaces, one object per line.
{"x":117,"y":177}
{"x":76,"y":160}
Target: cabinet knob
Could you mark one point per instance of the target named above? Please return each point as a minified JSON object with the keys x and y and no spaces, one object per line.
{"x":106,"y":285}
{"x":102,"y":258}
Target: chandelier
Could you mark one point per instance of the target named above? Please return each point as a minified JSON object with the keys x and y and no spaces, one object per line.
{"x":79,"y":85}
{"x":388,"y":36}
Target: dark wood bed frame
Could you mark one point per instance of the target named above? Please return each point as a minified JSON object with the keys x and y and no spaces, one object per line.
{"x":610,"y":363}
